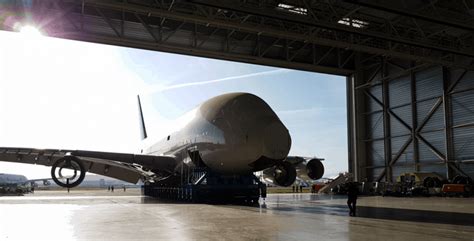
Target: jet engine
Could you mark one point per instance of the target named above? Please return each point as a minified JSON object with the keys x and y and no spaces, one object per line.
{"x":282,"y":174}
{"x":68,"y":171}
{"x":312,"y":169}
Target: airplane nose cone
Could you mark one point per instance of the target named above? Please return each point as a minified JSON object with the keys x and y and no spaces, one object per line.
{"x":277,"y":141}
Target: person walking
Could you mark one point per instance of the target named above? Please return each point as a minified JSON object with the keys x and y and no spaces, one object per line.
{"x":352,"y":192}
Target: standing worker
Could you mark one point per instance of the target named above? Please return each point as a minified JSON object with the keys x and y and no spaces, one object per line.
{"x":352,"y":192}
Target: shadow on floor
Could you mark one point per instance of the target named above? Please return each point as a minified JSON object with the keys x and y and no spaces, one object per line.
{"x":398,"y":214}
{"x":155,"y":200}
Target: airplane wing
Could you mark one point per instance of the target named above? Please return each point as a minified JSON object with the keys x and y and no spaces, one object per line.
{"x":122,"y":166}
{"x":295,"y":160}
{"x":38,"y":180}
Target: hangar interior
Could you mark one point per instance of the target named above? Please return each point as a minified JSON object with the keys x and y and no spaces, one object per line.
{"x":409,"y":64}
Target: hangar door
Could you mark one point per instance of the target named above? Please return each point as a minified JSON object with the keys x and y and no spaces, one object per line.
{"x":412,"y":119}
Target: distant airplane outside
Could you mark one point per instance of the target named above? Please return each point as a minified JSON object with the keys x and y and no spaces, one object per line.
{"x":18,"y":184}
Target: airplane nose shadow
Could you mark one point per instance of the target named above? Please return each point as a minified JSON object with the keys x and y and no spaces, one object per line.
{"x":424,"y":216}
{"x":398,"y":214}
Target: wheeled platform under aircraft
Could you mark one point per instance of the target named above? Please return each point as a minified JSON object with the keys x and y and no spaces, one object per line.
{"x":213,"y":156}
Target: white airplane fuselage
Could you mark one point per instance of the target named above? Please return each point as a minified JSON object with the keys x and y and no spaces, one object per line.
{"x":236,"y":133}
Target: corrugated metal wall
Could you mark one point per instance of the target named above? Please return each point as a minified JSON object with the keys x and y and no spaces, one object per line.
{"x":415,"y":119}
{"x":462,"y":104}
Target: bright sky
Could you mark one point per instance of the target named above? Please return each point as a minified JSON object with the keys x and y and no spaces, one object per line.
{"x":58,"y":93}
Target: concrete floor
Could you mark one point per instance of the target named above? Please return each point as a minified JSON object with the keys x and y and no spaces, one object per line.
{"x":101,"y":215}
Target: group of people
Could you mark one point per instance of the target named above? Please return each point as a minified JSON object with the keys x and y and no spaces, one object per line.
{"x":295,"y":188}
{"x":111,"y":188}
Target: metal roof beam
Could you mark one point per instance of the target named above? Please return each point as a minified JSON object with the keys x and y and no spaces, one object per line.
{"x":329,"y":25}
{"x":233,"y":33}
{"x":409,"y":13}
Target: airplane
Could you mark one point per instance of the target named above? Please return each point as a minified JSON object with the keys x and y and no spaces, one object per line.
{"x":212,"y":156}
{"x":19,"y":184}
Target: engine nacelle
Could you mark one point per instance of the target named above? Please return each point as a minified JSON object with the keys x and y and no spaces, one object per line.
{"x":312,"y":169}
{"x":282,"y":174}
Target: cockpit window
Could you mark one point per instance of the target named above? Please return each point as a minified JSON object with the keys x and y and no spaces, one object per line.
{"x":168,"y":138}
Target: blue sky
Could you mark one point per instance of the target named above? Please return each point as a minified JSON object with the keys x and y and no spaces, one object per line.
{"x":312,"y":105}
{"x":106,"y":79}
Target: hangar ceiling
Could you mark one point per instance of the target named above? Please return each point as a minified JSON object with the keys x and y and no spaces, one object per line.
{"x":317,"y":35}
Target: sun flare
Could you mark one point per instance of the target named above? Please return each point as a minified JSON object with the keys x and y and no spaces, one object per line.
{"x":31,"y":31}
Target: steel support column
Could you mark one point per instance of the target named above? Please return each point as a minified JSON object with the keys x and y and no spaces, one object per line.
{"x":356,"y":123}
{"x":386,"y":124}
{"x":350,"y":127}
{"x":414,"y":121}
{"x":448,"y":124}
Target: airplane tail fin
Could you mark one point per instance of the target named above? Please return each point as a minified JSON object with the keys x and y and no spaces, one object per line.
{"x":142,"y":121}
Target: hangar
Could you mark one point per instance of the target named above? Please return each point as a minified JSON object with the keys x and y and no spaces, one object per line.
{"x":409,"y":64}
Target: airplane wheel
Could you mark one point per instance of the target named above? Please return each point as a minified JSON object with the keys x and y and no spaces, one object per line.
{"x":437,"y":182}
{"x":429,"y":182}
{"x":74,"y":178}
{"x":461,"y":180}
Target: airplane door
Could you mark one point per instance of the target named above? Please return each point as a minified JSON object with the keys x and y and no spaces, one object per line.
{"x":195,"y":156}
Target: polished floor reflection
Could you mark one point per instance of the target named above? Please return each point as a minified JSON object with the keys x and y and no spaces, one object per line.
{"x":101,"y":215}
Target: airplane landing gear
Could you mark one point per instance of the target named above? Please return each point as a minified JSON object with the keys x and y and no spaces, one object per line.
{"x":68,"y":172}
